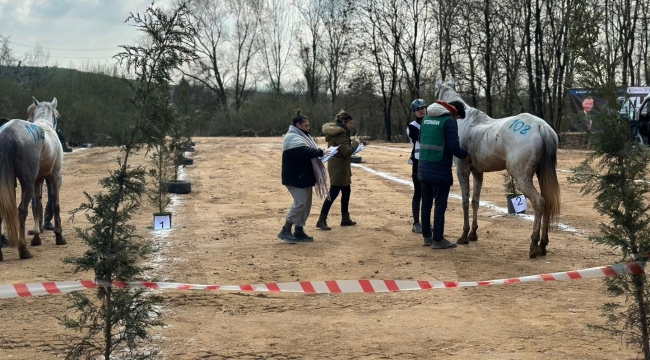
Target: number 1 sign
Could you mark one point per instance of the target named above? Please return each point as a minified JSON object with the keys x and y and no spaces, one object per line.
{"x":162,"y":221}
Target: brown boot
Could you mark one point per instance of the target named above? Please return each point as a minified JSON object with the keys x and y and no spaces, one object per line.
{"x":346,"y":221}
{"x":322,"y":223}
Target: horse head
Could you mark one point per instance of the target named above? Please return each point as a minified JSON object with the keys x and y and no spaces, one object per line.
{"x":446,"y":91}
{"x":44,"y":110}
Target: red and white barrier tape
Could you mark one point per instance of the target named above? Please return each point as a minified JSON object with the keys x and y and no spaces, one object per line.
{"x":325,"y":287}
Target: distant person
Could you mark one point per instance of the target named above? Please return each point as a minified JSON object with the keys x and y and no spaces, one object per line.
{"x":419,"y":108}
{"x":587,"y":106}
{"x":301,"y":171}
{"x":439,"y":144}
{"x":337,"y":133}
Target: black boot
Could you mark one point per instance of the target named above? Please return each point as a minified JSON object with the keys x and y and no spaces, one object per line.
{"x":346,"y":221}
{"x":301,"y":236}
{"x":285,"y":235}
{"x":322,"y":223}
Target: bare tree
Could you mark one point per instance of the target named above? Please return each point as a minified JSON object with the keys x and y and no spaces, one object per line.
{"x":337,"y":17}
{"x":244,"y":46}
{"x":509,"y":48}
{"x":384,"y":34}
{"x":7,"y":59}
{"x":417,"y":41}
{"x":487,"y":54}
{"x":277,"y":37}
{"x":36,"y":70}
{"x":309,"y":49}
{"x":210,"y":69}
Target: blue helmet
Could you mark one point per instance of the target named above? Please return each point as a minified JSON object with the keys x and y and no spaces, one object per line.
{"x":418,"y":103}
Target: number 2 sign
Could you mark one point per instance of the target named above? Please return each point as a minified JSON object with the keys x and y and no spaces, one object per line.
{"x":519,"y":203}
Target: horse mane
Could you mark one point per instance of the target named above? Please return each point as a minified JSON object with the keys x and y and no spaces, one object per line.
{"x":447,"y":93}
{"x":45,"y":111}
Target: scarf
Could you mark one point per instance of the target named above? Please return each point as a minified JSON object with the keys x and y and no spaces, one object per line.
{"x":299,"y":138}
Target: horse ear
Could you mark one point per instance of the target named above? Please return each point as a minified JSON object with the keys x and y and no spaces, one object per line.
{"x":54,"y":103}
{"x":451,"y":82}
{"x":35,"y":101}
{"x":438,"y":83}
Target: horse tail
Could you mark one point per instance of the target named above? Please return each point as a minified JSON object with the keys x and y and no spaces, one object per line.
{"x":550,"y":187}
{"x":8,"y":207}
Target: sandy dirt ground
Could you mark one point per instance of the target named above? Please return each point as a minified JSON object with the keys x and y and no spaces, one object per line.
{"x":224,"y":232}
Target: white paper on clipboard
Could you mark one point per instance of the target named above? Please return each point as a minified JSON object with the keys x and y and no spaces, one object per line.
{"x":333,"y":150}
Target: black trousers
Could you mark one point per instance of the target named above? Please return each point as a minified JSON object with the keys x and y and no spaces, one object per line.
{"x":417,"y":195}
{"x":334,"y":193}
{"x":439,"y":194}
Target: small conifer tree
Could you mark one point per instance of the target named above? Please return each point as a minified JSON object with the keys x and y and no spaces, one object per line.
{"x":115,"y":321}
{"x":619,"y":182}
{"x":159,"y":173}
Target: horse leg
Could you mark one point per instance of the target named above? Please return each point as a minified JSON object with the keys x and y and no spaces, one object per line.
{"x":476,"y":196}
{"x":544,"y":240}
{"x":23,"y":209}
{"x":56,"y":187}
{"x":525,"y":184}
{"x":37,"y":212}
{"x":462,"y":173}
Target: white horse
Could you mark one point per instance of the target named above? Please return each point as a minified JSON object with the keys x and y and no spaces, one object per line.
{"x":30,"y":152}
{"x":523,"y":145}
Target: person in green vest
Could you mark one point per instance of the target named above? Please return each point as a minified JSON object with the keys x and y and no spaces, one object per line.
{"x":439,"y":143}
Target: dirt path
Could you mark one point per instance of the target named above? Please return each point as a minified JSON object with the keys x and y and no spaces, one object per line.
{"x":225,"y":233}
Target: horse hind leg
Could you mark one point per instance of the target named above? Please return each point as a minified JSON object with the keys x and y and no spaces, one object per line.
{"x":543,"y":242}
{"x":476,"y":196}
{"x":526,"y":186}
{"x":27,"y":194}
{"x":37,"y":212}
{"x":55,"y":187}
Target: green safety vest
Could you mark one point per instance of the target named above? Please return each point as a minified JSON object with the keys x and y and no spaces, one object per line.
{"x":432,"y":137}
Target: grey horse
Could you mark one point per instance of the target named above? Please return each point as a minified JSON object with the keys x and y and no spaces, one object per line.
{"x":524,"y":145}
{"x":29,"y":152}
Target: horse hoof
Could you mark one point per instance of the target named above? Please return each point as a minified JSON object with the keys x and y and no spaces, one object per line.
{"x":61,"y":241}
{"x":542,"y":252}
{"x":473,"y":238}
{"x":25,"y":254}
{"x":462,"y":241}
{"x":36,"y":242}
{"x":534,"y":253}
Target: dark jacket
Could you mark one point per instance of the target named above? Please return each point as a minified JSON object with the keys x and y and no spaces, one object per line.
{"x":297,"y":169}
{"x":413,"y":132}
{"x":439,"y":173}
{"x":338,"y":166}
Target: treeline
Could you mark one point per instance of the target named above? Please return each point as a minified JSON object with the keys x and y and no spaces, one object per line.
{"x":93,"y":107}
{"x":259,"y":60}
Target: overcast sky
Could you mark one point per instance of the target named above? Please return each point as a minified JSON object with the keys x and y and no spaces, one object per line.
{"x":73,"y":31}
